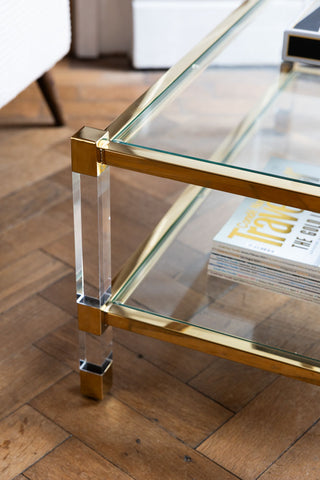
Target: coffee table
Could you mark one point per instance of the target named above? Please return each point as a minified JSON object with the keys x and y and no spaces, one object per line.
{"x":213,"y":122}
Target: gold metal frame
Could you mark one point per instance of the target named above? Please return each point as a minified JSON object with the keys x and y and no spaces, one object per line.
{"x":90,"y":319}
{"x":85,"y":156}
{"x":92,"y":149}
{"x":119,"y":315}
{"x":211,"y":175}
{"x":214,"y":343}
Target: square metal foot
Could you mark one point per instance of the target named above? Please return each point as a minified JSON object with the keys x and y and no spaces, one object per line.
{"x":95,"y":380}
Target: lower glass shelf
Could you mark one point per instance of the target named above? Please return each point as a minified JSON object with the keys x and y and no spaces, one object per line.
{"x":174,"y":284}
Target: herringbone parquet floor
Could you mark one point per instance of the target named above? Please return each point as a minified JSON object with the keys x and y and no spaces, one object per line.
{"x":172,"y":413}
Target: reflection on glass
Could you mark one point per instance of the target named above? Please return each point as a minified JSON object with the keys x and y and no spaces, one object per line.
{"x":179,"y":287}
{"x":92,"y":235}
{"x":76,"y":188}
{"x":207,"y":119}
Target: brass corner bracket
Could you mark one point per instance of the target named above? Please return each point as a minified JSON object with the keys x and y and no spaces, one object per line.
{"x":84,"y":153}
{"x":91,"y":319}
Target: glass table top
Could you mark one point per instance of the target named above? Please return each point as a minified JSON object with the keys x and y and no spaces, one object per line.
{"x":233,"y":106}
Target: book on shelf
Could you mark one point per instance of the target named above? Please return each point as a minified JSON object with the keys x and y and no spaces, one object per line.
{"x":270,"y":245}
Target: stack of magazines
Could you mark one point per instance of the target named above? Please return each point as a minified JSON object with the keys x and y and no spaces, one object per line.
{"x":271,"y":246}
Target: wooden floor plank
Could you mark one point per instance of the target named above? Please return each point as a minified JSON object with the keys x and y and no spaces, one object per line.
{"x":28,"y":236}
{"x":8,"y":254}
{"x":231,"y":384}
{"x":264,"y":429}
{"x":63,"y":177}
{"x":275,"y":422}
{"x":25,"y":436}
{"x":36,"y":232}
{"x":163,"y":395}
{"x":27,"y":276}
{"x":63,"y":249}
{"x":35,"y":163}
{"x":164,"y":398}
{"x":28,"y":109}
{"x":73,"y":461}
{"x":63,"y":344}
{"x":63,"y":294}
{"x":26,"y":323}
{"x":131,"y":442}
{"x":30,"y":201}
{"x":180,"y":362}
{"x":62,"y":212}
{"x":26,"y":374}
{"x":300,"y":461}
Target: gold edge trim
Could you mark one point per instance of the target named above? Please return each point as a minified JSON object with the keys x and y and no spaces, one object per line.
{"x":215,"y":343}
{"x":215,"y":176}
{"x":135,"y":109}
{"x":127,"y":280}
{"x":84,"y":153}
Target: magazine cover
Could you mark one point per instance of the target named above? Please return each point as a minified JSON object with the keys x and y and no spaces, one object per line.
{"x":272,"y":230}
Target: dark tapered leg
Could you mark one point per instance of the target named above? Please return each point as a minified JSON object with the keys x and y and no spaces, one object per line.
{"x":47,"y":87}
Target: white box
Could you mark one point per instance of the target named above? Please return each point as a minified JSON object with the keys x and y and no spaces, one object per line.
{"x":164,"y":30}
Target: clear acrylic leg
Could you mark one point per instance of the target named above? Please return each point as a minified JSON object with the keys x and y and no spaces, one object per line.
{"x":93,"y":276}
{"x":96,"y":363}
{"x":91,"y":198}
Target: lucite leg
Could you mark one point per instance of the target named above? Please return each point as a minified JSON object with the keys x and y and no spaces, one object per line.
{"x":91,"y":194}
{"x":96,"y":373}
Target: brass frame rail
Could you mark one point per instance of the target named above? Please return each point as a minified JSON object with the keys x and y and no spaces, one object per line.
{"x":93,"y":150}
